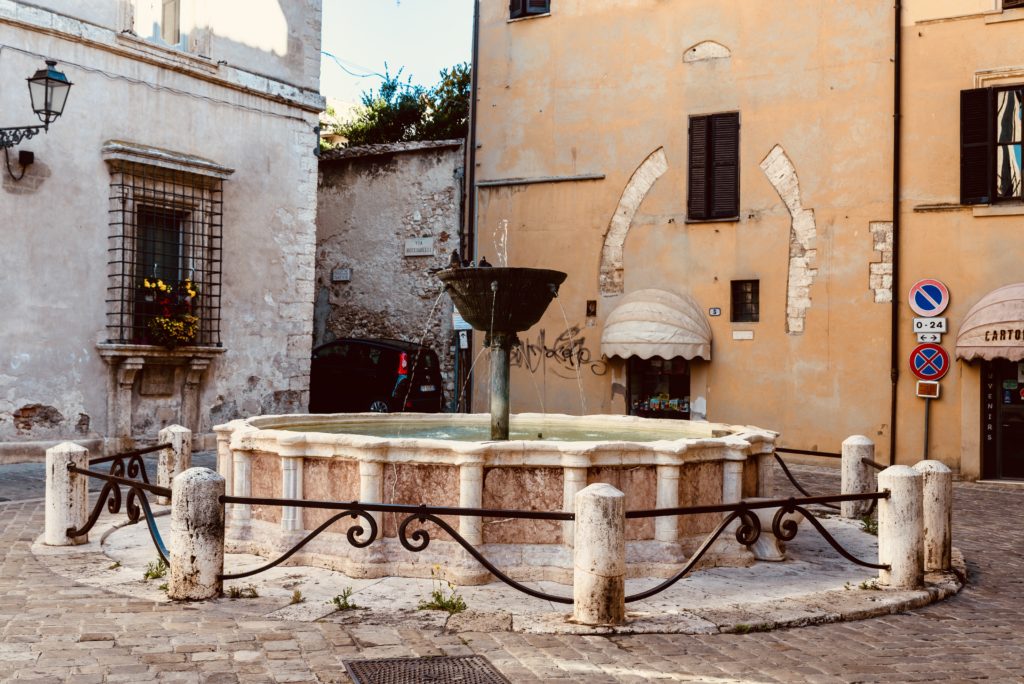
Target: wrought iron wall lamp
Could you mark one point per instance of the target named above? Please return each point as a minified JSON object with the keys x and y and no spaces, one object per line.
{"x":48,"y":90}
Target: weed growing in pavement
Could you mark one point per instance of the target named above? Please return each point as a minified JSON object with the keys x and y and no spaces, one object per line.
{"x":297,"y":597}
{"x":870,"y":585}
{"x":163,"y":587}
{"x":114,"y":566}
{"x":449,"y":601}
{"x":869,"y":524}
{"x":236,"y":592}
{"x":155,"y":570}
{"x":343,"y":600}
{"x":750,"y":629}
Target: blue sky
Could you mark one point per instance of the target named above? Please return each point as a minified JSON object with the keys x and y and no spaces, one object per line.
{"x":424,"y":36}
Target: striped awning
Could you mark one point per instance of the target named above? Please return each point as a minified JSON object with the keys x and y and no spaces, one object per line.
{"x":994,"y":327}
{"x":649,"y":323}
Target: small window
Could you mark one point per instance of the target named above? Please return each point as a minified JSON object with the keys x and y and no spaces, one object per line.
{"x":525,"y":8}
{"x":1008,"y":4}
{"x":160,"y":22}
{"x":745,"y":301}
{"x":713,"y":182}
{"x":991,"y":142}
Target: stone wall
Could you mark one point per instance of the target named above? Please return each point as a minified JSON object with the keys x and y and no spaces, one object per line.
{"x":372,"y":200}
{"x":239,"y":107}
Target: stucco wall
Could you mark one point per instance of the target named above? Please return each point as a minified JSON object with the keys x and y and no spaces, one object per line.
{"x":596,"y":88}
{"x":55,"y":222}
{"x":370,"y":201}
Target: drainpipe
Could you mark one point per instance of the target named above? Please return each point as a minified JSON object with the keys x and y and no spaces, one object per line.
{"x":894,"y":372}
{"x":469,"y":227}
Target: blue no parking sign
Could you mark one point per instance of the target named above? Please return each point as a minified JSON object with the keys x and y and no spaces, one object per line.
{"x":928,"y":297}
{"x":929,"y":361}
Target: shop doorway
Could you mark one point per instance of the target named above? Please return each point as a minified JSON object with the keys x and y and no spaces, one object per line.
{"x":1002,"y":419}
{"x":659,"y":388}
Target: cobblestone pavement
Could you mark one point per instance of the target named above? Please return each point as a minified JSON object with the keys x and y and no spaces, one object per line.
{"x":54,"y":631}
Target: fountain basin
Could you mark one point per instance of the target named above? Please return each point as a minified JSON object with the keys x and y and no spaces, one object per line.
{"x":668,"y":463}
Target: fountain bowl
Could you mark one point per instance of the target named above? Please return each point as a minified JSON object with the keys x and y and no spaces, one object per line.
{"x":393,"y":458}
{"x":499,"y":299}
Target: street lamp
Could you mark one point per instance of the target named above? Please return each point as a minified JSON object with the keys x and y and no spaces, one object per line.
{"x":48,"y":89}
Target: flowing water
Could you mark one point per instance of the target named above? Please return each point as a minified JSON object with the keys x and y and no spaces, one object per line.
{"x":423,"y":337}
{"x":500,"y":239}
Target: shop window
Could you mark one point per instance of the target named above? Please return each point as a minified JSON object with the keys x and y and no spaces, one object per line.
{"x":526,"y":8}
{"x":713,"y":183}
{"x":745,"y":301}
{"x":991,"y":142}
{"x":165,"y":257}
{"x":659,"y":388}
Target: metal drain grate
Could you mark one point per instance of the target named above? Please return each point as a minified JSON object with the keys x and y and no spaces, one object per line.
{"x":446,"y":669}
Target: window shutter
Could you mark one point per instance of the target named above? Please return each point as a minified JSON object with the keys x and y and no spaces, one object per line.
{"x":516,"y":8}
{"x":697,"y":180}
{"x":1007,"y":4}
{"x":538,"y":6}
{"x":725,"y":156}
{"x":976,"y":163}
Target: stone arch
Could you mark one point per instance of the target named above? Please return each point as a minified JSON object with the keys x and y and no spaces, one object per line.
{"x":640,"y":183}
{"x":803,"y":230}
{"x":706,"y":50}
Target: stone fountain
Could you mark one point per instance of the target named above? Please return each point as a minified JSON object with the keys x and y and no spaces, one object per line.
{"x":501,"y":302}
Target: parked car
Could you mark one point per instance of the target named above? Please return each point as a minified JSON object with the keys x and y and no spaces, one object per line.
{"x":381,"y":375}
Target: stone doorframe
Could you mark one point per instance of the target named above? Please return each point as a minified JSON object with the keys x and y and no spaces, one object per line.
{"x":124,"y":361}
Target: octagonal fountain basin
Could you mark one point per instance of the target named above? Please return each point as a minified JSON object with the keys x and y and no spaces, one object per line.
{"x":440,"y":460}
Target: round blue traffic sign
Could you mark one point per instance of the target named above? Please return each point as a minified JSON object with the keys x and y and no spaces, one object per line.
{"x":928,"y":297}
{"x":929,"y":361}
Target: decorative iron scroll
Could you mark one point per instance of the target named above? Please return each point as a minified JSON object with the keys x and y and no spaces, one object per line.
{"x":136,"y":503}
{"x":10,"y":137}
{"x":415,"y":541}
{"x":793,"y":479}
{"x":749,"y":529}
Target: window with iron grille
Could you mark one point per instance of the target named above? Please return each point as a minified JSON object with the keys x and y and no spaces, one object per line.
{"x":713,"y":180}
{"x":525,"y":8}
{"x":164,"y":265}
{"x":991,"y":144}
{"x":745,"y":301}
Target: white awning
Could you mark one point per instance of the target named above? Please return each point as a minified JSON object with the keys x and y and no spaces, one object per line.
{"x":650,"y":323}
{"x":994,"y":327}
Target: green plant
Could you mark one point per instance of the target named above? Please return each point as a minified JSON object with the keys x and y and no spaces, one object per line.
{"x":749,"y":629}
{"x":869,"y":523}
{"x":343,"y":600}
{"x":155,"y":570}
{"x":237,"y":592}
{"x":163,"y":587}
{"x":870,"y":585}
{"x":297,"y":597}
{"x":114,"y":566}
{"x":449,"y":601}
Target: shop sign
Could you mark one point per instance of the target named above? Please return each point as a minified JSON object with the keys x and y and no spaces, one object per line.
{"x":994,"y":335}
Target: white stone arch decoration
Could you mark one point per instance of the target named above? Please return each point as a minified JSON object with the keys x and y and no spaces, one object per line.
{"x":803,"y":231}
{"x":706,"y":50}
{"x":640,"y":183}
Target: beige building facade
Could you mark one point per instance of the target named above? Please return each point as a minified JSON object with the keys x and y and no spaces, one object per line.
{"x":718,"y":182}
{"x":158,"y":252}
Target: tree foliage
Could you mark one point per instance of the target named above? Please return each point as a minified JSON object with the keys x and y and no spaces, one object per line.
{"x":402,"y":112}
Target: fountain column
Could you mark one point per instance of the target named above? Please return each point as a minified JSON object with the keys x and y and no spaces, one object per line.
{"x":501,"y":346}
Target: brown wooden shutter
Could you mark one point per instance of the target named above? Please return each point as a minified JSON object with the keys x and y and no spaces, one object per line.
{"x":538,"y":6}
{"x":516,"y":8}
{"x":976,"y":146}
{"x":697,"y":172}
{"x":725,"y":166}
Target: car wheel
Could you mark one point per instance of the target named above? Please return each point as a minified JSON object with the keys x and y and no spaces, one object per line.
{"x":379,"y":406}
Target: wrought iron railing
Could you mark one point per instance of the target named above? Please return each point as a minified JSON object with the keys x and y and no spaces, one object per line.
{"x":127,"y":469}
{"x":789,"y":475}
{"x":747,"y":532}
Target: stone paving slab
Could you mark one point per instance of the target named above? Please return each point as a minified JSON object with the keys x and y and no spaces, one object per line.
{"x":53,"y":629}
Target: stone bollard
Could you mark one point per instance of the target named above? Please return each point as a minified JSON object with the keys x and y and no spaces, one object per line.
{"x":938,"y":515}
{"x":901,"y":528}
{"x":197,"y":535}
{"x":857,"y":477}
{"x":175,"y":460}
{"x":67,"y":494}
{"x":599,"y":556}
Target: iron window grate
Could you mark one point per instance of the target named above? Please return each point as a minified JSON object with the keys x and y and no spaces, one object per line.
{"x":164,"y":255}
{"x":461,"y":669}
